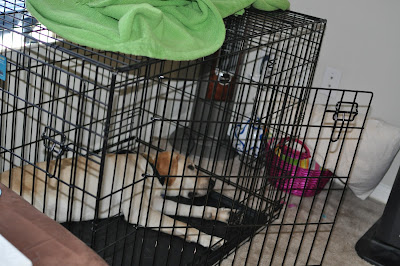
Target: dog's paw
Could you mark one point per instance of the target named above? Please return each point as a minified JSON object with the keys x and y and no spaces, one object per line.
{"x":213,"y":242}
{"x":224,"y":215}
{"x":216,"y":243}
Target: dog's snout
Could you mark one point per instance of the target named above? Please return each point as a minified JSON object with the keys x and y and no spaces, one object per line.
{"x":211,"y":184}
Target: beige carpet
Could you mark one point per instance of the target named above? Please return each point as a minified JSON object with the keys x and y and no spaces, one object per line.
{"x":355,"y":218}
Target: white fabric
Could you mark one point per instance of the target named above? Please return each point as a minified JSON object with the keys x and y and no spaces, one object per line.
{"x":10,"y":255}
{"x":379,"y":145}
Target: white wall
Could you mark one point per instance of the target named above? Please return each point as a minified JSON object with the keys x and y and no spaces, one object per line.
{"x":363,"y":41}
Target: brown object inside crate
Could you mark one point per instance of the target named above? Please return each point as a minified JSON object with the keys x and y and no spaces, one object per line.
{"x":42,"y":240}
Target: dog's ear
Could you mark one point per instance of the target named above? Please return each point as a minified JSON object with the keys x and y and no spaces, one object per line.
{"x":167,"y":166}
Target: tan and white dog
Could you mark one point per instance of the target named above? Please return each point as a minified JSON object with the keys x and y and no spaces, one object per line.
{"x":125,"y":189}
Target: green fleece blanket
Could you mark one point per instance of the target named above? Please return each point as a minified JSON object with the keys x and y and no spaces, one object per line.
{"x":164,"y":29}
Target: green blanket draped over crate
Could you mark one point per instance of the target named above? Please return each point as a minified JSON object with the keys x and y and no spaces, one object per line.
{"x":164,"y":29}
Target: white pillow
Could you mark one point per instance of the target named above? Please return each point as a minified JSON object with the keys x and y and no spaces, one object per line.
{"x":378,"y":146}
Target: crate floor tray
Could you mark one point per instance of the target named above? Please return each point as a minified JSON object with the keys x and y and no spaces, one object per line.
{"x":121,"y":243}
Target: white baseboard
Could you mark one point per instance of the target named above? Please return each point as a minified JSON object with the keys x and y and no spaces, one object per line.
{"x":381,"y":193}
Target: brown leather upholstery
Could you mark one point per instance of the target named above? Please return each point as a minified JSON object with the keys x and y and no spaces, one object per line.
{"x":42,"y":240}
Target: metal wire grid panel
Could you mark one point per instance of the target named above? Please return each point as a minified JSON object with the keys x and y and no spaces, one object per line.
{"x":231,"y":113}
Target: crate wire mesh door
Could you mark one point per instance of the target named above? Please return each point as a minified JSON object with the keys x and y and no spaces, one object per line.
{"x":70,"y":107}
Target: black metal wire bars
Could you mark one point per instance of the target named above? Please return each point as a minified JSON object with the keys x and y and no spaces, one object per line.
{"x":239,"y":114}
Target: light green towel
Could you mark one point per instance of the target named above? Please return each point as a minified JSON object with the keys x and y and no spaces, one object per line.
{"x":164,"y":29}
{"x":271,"y":5}
{"x":229,"y":7}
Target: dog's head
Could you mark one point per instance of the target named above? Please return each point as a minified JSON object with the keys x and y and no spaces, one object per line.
{"x":182,"y":177}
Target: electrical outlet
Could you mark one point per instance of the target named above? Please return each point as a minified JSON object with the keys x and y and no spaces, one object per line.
{"x":332,"y":78}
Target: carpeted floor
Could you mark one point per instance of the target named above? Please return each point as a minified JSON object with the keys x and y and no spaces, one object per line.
{"x":355,"y":218}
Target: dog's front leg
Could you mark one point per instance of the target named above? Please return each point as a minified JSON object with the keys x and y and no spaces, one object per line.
{"x":157,"y":221}
{"x":170,"y":207}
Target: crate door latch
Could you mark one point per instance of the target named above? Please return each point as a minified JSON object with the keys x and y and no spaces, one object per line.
{"x":345,"y":112}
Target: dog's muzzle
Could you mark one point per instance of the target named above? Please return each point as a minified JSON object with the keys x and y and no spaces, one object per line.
{"x":194,"y":194}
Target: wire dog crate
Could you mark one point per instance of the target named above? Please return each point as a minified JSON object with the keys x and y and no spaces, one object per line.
{"x":64,"y":104}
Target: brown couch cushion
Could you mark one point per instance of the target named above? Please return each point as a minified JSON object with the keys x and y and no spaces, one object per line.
{"x":42,"y":240}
